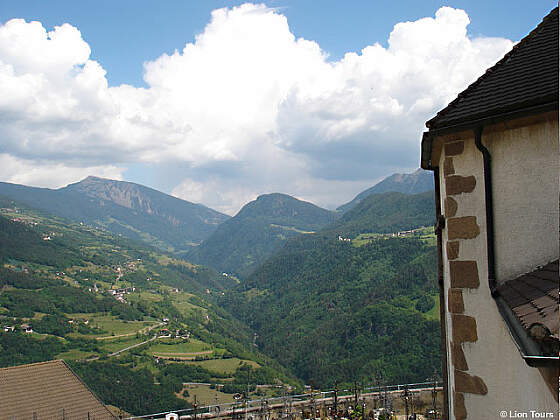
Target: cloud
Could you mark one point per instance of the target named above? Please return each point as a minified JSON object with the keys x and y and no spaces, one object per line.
{"x":375,"y":103}
{"x":49,"y":174}
{"x":245,"y":108}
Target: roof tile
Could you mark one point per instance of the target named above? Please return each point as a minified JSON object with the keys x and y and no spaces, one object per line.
{"x":47,"y":388}
{"x":533,"y":298}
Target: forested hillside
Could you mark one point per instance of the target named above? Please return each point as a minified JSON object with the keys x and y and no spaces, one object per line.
{"x":261,"y":227}
{"x":356,"y":298}
{"x":387,"y":212}
{"x":332,"y":311}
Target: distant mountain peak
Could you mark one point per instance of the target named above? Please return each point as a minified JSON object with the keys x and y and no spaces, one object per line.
{"x":261,"y":227}
{"x":92,"y":179}
{"x":416,"y":182}
{"x":275,"y":196}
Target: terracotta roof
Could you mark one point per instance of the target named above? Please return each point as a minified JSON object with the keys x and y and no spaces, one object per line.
{"x":526,"y":77}
{"x":46,"y":389}
{"x":533,"y":298}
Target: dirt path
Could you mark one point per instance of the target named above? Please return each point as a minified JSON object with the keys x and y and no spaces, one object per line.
{"x":133,"y":346}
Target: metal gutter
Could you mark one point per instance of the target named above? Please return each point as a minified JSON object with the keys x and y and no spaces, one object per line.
{"x":427,"y":138}
{"x":526,"y":111}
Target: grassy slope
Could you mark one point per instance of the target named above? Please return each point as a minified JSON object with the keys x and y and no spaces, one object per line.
{"x":78,"y":258}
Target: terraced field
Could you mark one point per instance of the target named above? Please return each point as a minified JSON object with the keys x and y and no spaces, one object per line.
{"x":226,"y":366}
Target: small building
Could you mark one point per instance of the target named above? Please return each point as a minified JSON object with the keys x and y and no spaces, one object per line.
{"x":164,"y":333}
{"x":26,"y":328}
{"x":9,"y":328}
{"x":495,"y":156}
{"x":47,"y":390}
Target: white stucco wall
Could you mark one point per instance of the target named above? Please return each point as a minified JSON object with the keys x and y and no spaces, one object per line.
{"x":512,"y":384}
{"x":525,"y":191}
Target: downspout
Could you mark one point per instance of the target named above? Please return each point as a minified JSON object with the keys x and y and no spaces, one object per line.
{"x":489,"y":208}
{"x":440,"y":222}
{"x":529,"y":350}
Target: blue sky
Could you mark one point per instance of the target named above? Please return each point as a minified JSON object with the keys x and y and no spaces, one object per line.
{"x":265,"y":97}
{"x":125,"y":33}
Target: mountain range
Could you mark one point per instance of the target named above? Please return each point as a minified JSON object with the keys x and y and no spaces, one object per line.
{"x":125,"y":208}
{"x":238,"y":244}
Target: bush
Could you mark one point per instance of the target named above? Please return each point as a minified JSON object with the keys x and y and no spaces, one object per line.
{"x":425,"y":303}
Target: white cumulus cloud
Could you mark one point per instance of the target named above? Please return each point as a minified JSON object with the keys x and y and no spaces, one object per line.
{"x":49,"y":174}
{"x":245,"y":108}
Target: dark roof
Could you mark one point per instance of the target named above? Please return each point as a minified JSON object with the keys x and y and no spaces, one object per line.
{"x":533,"y":299}
{"x":527,"y":77}
{"x":47,"y":388}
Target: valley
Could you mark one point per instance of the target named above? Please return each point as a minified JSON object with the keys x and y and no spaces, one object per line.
{"x":281,"y":295}
{"x":107,"y":304}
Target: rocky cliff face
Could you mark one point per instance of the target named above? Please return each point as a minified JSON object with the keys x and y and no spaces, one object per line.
{"x":143,"y":199}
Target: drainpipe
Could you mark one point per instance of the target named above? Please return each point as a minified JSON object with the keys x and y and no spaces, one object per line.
{"x":489,"y":207}
{"x":529,"y":350}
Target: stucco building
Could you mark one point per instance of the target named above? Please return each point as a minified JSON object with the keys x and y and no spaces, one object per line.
{"x":495,"y":156}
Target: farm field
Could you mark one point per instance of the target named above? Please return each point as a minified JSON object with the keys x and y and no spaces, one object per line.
{"x":227,"y":366}
{"x":121,"y":343}
{"x":75,"y":354}
{"x":145,"y":296}
{"x":206,"y":395}
{"x":190,"y":345}
{"x":112,"y":325}
{"x":181,"y":302}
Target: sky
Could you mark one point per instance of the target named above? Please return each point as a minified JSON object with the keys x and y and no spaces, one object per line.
{"x":217,"y":102}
